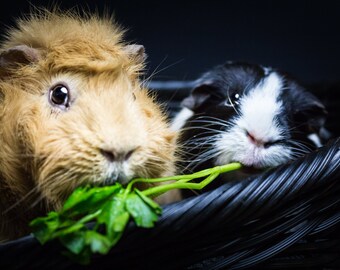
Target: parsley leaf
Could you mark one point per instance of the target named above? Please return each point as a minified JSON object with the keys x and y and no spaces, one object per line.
{"x":93,"y":219}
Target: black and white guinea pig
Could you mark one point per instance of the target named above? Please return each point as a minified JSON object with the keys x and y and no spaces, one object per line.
{"x":240,"y":112}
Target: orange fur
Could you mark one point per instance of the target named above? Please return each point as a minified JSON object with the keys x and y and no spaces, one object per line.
{"x":47,"y":152}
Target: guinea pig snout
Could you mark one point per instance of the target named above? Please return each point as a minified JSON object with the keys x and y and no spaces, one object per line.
{"x":253,"y":139}
{"x":119,"y":164}
{"x":113,"y":155}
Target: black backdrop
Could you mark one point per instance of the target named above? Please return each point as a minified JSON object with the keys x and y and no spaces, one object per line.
{"x":185,"y":38}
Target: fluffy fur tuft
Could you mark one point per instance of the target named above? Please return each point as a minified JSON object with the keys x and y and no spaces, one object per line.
{"x":70,"y":40}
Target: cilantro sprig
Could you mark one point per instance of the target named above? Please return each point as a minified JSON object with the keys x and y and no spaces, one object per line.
{"x":93,"y":219}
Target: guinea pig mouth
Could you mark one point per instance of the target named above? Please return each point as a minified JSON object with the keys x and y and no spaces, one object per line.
{"x":251,"y":170}
{"x":121,"y":178}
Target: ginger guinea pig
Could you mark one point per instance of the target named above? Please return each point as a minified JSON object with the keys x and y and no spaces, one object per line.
{"x":72,"y":112}
{"x":240,"y":112}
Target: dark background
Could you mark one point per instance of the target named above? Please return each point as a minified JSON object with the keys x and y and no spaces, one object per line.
{"x":185,"y":39}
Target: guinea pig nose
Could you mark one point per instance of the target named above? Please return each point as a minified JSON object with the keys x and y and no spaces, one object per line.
{"x":114,"y":156}
{"x":253,"y":139}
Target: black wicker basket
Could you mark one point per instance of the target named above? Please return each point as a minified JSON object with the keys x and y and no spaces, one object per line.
{"x":286,"y":218}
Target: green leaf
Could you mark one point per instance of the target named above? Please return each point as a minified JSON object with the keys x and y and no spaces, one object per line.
{"x":144,"y":215}
{"x":75,"y":198}
{"x":155,"y":206}
{"x":111,"y":206}
{"x":44,"y":227}
{"x":76,"y":226}
{"x":84,"y":199}
{"x":121,"y":221}
{"x":98,"y":242}
{"x":74,"y":242}
{"x":65,"y":222}
{"x":115,"y":216}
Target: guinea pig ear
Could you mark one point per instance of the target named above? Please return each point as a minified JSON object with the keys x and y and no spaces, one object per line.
{"x":16,"y":56}
{"x":313,"y":113}
{"x":198,"y":97}
{"x":136,"y":51}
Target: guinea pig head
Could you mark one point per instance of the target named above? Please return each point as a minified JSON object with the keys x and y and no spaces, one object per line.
{"x":251,"y":114}
{"x":74,"y":112}
{"x":107,"y":131}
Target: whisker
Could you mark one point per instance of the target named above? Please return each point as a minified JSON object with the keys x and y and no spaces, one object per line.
{"x":214,"y":119}
{"x":211,"y":123}
{"x":32,"y":192}
{"x":204,"y":157}
{"x":156,"y":71}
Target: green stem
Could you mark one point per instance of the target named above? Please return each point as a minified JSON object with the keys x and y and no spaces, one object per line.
{"x":179,"y":185}
{"x":89,"y":217}
{"x":187,"y":177}
{"x":78,"y":225}
{"x":182,"y":183}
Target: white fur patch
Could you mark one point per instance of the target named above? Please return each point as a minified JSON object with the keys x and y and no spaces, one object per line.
{"x":180,"y":119}
{"x":315,"y":139}
{"x":259,"y":108}
{"x":115,"y":172}
{"x":257,"y":113}
{"x":266,"y":70}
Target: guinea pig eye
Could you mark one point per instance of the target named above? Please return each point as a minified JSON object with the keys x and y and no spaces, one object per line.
{"x":59,"y":96}
{"x":233,"y":100}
